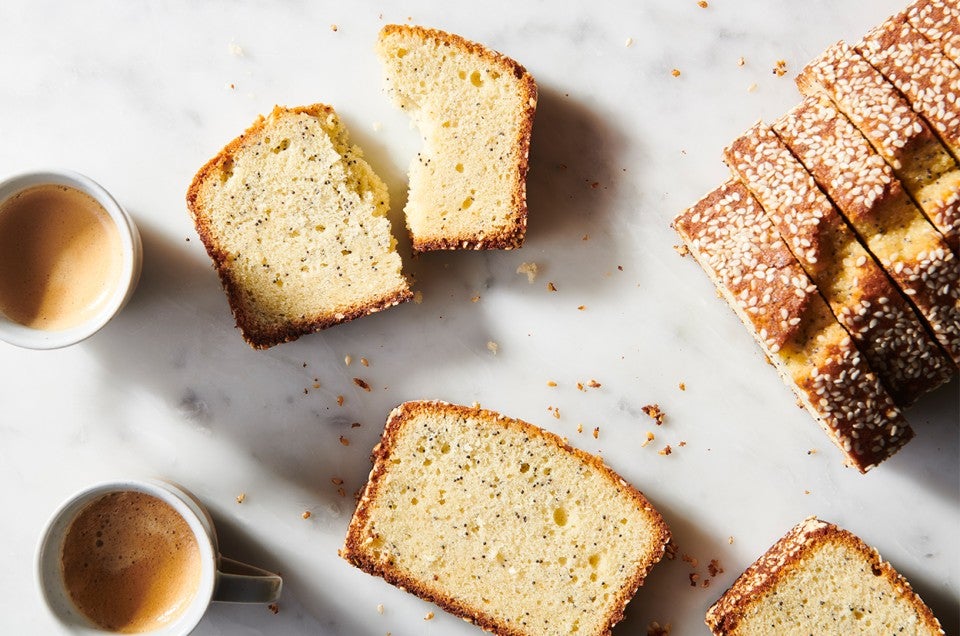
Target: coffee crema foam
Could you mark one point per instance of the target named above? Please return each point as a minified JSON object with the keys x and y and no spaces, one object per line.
{"x":130,"y":562}
{"x":60,"y":257}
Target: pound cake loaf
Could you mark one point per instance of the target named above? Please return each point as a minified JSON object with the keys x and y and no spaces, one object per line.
{"x":939,"y":22}
{"x":502,"y":523}
{"x":873,"y":200}
{"x":821,"y":579}
{"x":904,"y":140}
{"x":474,"y":108}
{"x":873,"y":311}
{"x":296,"y":224}
{"x":921,"y":72}
{"x":728,"y":233}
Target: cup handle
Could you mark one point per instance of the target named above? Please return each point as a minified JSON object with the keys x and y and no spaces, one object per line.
{"x":243,"y":583}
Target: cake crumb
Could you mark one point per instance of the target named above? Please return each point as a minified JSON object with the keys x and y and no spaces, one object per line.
{"x":585,"y":237}
{"x":418,"y":297}
{"x":347,"y":359}
{"x":682,"y":386}
{"x":274,"y":607}
{"x":780,"y":68}
{"x":596,"y":432}
{"x":580,"y":386}
{"x":362,"y":384}
{"x":752,"y":88}
{"x":812,"y":451}
{"x":551,"y":287}
{"x":339,"y":400}
{"x":593,"y":384}
{"x":628,"y":43}
{"x":681,"y":249}
{"x":694,"y":577}
{"x":334,"y":28}
{"x":806,"y":492}
{"x":653,"y":410}
{"x":530,"y":269}
{"x":579,"y":428}
{"x":241,"y":497}
{"x":364,"y":362}
{"x":379,"y":608}
{"x":730,"y":540}
{"x":341,"y":491}
{"x":666,"y":450}
{"x":306,"y":514}
{"x":428,"y":617}
{"x":336,"y":481}
{"x":475,"y":298}
{"x":581,"y":307}
{"x":344,"y":441}
{"x":650,"y":438}
{"x":714,"y":567}
{"x":675,"y":72}
{"x":691,"y":560}
{"x":492,"y":347}
{"x":655,"y":629}
{"x":551,"y":383}
{"x":741,"y":61}
{"x":703,"y":4}
{"x":682,"y":443}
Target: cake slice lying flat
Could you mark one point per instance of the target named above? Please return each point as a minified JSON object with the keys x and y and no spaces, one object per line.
{"x":921,"y":72}
{"x":502,"y":523}
{"x":474,"y":108}
{"x":295,"y":222}
{"x":918,"y":159}
{"x":868,"y":305}
{"x":872,"y":199}
{"x":939,"y":22}
{"x":755,"y":272}
{"x":821,"y":579}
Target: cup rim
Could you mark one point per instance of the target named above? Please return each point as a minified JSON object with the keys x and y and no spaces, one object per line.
{"x":49,"y":576}
{"x":131,"y":260}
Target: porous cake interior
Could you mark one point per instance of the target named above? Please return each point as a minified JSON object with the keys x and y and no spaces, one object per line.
{"x":501,"y":521}
{"x":301,"y":220}
{"x":834,"y":589}
{"x":464,"y":182}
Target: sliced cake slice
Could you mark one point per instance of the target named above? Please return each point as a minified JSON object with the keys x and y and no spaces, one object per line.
{"x":474,"y":108}
{"x":755,"y":272}
{"x":821,"y":579}
{"x":502,"y":523}
{"x":900,"y":136}
{"x":296,"y":224}
{"x":868,"y":305}
{"x":939,"y":22}
{"x":869,"y":195}
{"x":921,"y":72}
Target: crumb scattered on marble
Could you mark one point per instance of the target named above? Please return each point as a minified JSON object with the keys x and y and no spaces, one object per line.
{"x":339,"y":400}
{"x":274,"y":607}
{"x":812,"y":451}
{"x":593,"y":384}
{"x":355,"y":425}
{"x":780,"y":68}
{"x":581,"y":307}
{"x":653,"y":410}
{"x":666,"y":450}
{"x":741,"y":61}
{"x":428,"y":617}
{"x":730,"y":540}
{"x":596,"y":432}
{"x":418,"y":297}
{"x":475,"y":298}
{"x":530,"y":269}
{"x":682,"y":386}
{"x":241,"y":497}
{"x":551,"y":383}
{"x":492,"y":347}
{"x":579,"y":428}
{"x":682,"y":444}
{"x":306,"y":514}
{"x":334,"y":28}
{"x":629,"y":42}
{"x":694,"y":578}
{"x":751,"y":88}
{"x":650,"y":438}
{"x":347,"y":359}
{"x":682,"y":249}
{"x":806,"y":492}
{"x":379,"y":608}
{"x":551,"y":287}
{"x":703,"y":4}
{"x":336,"y":481}
{"x":714,"y":567}
{"x":360,"y":382}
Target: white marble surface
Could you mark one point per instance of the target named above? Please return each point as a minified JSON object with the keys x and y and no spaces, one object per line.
{"x":138,"y":95}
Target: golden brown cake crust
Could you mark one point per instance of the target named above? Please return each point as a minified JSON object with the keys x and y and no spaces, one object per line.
{"x":939,"y":22}
{"x":510,"y":237}
{"x":354,"y":551}
{"x":258,"y":335}
{"x":787,"y":554}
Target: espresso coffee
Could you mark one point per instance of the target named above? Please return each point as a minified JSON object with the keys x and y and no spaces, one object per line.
{"x":130,"y":562}
{"x":60,"y":257}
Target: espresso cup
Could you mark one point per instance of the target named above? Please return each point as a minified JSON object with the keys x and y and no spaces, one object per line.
{"x":142,"y":557}
{"x":70,"y":258}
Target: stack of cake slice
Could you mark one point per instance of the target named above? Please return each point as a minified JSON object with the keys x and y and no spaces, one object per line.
{"x":837,"y":241}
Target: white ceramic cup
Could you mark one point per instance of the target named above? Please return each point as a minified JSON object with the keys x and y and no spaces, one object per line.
{"x":221,"y":579}
{"x":131,"y":261}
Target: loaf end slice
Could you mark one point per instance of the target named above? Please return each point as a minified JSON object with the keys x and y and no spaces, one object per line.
{"x":296,"y":224}
{"x":741,"y":251}
{"x":474,"y":108}
{"x":502,"y":523}
{"x":820,"y":579}
{"x":939,"y":22}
